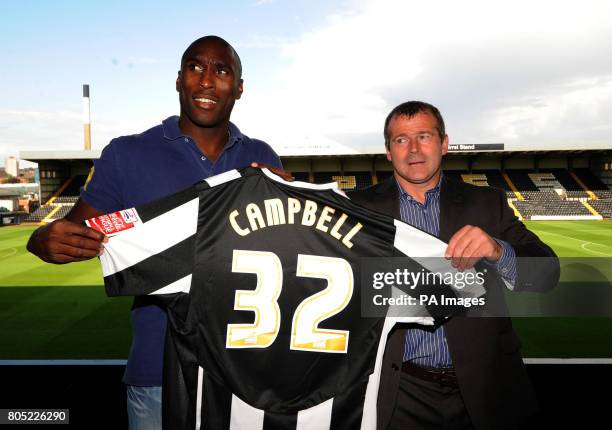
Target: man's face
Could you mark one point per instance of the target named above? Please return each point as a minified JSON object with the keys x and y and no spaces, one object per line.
{"x":415,"y":149}
{"x":208,"y":84}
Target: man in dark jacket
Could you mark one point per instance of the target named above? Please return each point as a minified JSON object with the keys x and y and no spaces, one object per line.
{"x":468,"y":372}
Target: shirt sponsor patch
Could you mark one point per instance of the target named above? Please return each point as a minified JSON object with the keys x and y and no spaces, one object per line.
{"x":114,"y":223}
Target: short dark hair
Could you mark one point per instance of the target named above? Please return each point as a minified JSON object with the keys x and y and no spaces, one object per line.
{"x":216,"y":39}
{"x":410,"y":109}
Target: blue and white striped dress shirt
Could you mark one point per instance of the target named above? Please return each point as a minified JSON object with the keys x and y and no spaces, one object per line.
{"x":427,"y":347}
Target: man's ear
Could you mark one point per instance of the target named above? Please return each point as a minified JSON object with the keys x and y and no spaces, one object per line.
{"x":445,"y":144}
{"x":240,"y":89}
{"x":178,"y":81}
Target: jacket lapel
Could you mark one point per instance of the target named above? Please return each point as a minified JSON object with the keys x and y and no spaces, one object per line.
{"x":451,"y":208}
{"x":387,"y":198}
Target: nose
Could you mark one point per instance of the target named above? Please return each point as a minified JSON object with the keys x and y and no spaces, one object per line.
{"x":413,"y":145}
{"x":207,"y":78}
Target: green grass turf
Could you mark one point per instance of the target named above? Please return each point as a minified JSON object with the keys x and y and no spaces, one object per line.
{"x":20,"y":268}
{"x":571,"y":337}
{"x":575,"y":238}
{"x":56,"y":312}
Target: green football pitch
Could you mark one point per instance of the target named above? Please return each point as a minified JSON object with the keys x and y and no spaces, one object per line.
{"x":61,"y":312}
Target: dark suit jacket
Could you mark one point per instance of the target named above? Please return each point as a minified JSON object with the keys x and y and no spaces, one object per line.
{"x":485,"y":351}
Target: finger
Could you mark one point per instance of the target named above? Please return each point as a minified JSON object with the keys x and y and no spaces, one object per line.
{"x":92,"y":234}
{"x":83,"y":242}
{"x":64,"y":259}
{"x":459,"y":251}
{"x":469,"y":257}
{"x":454,"y":240}
{"x":84,"y":231}
{"x":478,"y":248}
{"x":487,"y":246}
{"x":73,"y":253}
{"x":66,"y":227}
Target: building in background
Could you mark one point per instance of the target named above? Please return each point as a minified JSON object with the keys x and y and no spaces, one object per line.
{"x":11,"y":166}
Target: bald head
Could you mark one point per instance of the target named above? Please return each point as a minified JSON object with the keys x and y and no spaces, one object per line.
{"x":213,"y":39}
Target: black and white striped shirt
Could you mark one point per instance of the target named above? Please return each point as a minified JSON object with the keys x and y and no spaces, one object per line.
{"x":261,"y":282}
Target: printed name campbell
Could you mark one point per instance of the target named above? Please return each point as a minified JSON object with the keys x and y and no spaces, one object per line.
{"x":294,"y":212}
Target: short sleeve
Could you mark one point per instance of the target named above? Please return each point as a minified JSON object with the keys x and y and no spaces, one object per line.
{"x":103,"y":190}
{"x":266,"y":155}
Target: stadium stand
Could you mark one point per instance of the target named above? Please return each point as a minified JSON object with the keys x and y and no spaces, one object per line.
{"x":383,"y":174}
{"x":565,"y":179}
{"x":301,"y":176}
{"x":59,"y":205}
{"x":362,"y":179}
{"x":604,"y":194}
{"x":324,"y":177}
{"x":521,"y":180}
{"x":39,"y":214}
{"x":495,"y":179}
{"x":529,"y":209}
{"x":345,"y":182}
{"x":478,"y":179}
{"x":546,"y":193}
{"x":589,"y":180}
{"x":603,"y":207}
{"x":66,"y":199}
{"x":545,"y":181}
{"x":348,"y":181}
{"x":74,"y":186}
{"x":453,"y":174}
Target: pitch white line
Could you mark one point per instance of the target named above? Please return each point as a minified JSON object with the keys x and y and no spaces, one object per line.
{"x":587,"y":230}
{"x":13,"y":252}
{"x":584,"y":246}
{"x":582,"y":242}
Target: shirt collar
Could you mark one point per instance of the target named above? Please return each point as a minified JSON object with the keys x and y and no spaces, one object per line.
{"x":235,"y":135}
{"x":433,"y":192}
{"x":172,"y":131}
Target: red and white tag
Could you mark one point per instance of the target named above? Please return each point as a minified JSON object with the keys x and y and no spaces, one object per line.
{"x":114,"y":223}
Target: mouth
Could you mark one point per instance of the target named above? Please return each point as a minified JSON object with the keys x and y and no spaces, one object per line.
{"x":415,"y":163}
{"x":205,"y":102}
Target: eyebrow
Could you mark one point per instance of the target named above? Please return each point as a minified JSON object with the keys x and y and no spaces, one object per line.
{"x":417,"y":132}
{"x":204,"y":60}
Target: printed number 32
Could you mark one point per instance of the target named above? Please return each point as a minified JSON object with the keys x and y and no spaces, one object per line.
{"x":305,"y":332}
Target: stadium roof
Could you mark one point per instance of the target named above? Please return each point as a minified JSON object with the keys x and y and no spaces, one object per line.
{"x":18,"y":189}
{"x":36,"y":156}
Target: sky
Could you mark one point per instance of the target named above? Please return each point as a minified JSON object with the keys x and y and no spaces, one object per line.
{"x":319,"y":76}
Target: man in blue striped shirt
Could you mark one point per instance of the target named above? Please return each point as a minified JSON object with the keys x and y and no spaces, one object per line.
{"x":429,"y":348}
{"x":466,"y":373}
